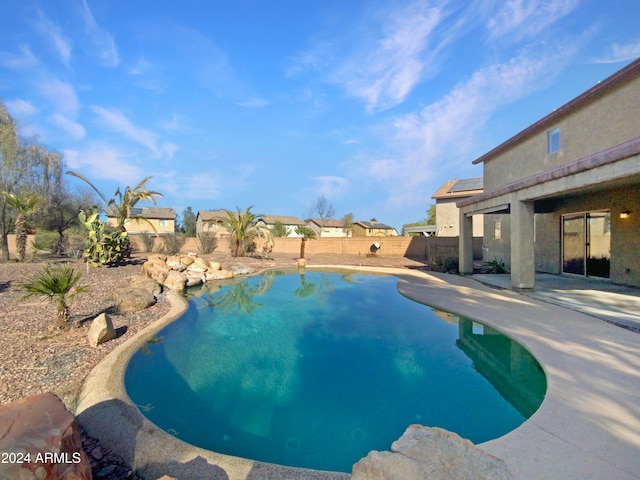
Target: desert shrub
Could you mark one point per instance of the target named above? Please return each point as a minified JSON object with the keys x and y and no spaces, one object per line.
{"x":46,"y":241}
{"x":148,"y":241}
{"x":444,"y":264}
{"x":173,"y":243}
{"x":207,"y":242}
{"x":494,"y":266}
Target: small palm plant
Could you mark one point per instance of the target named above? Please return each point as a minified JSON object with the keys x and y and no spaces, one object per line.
{"x":24,"y":204}
{"x":59,"y":285}
{"x":305,"y":233}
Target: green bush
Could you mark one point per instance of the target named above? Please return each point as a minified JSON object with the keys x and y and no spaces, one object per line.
{"x":444,"y":264}
{"x":46,"y":241}
{"x":207,"y":242}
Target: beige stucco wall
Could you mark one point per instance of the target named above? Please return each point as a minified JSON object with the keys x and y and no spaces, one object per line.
{"x":448,"y":219}
{"x":139,"y":226}
{"x":603,"y":122}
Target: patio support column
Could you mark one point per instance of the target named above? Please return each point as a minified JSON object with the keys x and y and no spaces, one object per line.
{"x":522,"y":248}
{"x":465,"y":244}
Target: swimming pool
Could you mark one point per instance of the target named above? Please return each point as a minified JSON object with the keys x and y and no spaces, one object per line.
{"x":315,"y":370}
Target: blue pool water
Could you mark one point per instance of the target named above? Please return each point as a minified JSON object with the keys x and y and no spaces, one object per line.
{"x":316,"y":370}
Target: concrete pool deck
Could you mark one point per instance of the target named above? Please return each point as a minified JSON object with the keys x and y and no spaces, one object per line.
{"x":588,"y":426}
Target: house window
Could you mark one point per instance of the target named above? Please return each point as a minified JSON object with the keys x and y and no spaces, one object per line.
{"x":553,"y":140}
{"x":163,"y":223}
{"x":497,"y":230}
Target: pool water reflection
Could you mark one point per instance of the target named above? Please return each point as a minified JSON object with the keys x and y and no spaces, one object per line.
{"x":315,"y":370}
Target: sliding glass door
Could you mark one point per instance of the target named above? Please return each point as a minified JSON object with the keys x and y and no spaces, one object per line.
{"x":586,"y":244}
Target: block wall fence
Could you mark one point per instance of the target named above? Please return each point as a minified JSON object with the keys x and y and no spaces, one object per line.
{"x":414,"y":247}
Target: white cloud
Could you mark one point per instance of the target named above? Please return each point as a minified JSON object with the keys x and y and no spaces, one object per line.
{"x":384,"y":75}
{"x":25,"y":59}
{"x":330,"y":186}
{"x":20,"y":107}
{"x":102,"y":41}
{"x":73,"y":129}
{"x":442,"y":135}
{"x":620,"y":53}
{"x":253,"y":103}
{"x":118,"y":122}
{"x":103,"y":162}
{"x":61,"y":94}
{"x":57,"y":37}
{"x":527,"y":18}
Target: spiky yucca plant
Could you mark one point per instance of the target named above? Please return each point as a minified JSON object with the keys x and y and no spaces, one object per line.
{"x":59,"y":284}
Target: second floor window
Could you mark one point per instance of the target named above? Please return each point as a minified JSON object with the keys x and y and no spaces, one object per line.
{"x":553,"y":140}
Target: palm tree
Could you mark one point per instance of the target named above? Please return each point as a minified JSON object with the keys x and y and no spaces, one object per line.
{"x":305,"y":233}
{"x":122,"y":202}
{"x":59,"y":285}
{"x":243,"y":230}
{"x":25,"y":204}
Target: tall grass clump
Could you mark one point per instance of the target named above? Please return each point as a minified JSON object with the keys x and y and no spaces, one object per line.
{"x":173,"y":243}
{"x":148,"y":241}
{"x":207,"y":242}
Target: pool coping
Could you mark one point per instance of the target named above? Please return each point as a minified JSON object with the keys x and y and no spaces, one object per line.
{"x":581,"y":430}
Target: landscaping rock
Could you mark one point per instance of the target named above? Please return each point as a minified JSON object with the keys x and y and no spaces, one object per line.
{"x":194,"y":279}
{"x":175,"y":263}
{"x":175,"y":280}
{"x":41,"y":427}
{"x":155,"y":270}
{"x":146,"y":283}
{"x":101,"y":330}
{"x":240,"y":269}
{"x":220,"y":275}
{"x":432,"y":453}
{"x":133,"y":299}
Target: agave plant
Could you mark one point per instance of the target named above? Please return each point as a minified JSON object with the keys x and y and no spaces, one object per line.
{"x":58,"y":284}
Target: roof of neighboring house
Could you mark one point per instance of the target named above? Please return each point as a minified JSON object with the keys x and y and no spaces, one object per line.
{"x":207,"y":215}
{"x":600,"y":89}
{"x":376,"y":225}
{"x":464,"y":187}
{"x":286,"y":220}
{"x":327,"y":222}
{"x":149,"y":213}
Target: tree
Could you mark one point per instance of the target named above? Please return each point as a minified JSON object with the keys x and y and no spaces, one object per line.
{"x":189,"y":222}
{"x":120,"y":205}
{"x":24,"y":167}
{"x":346,"y":222}
{"x":323,"y":210}
{"x":24,"y":204}
{"x":59,"y":285}
{"x":305,"y":233}
{"x":243,"y":231}
{"x":431,"y":215}
{"x":279,"y":229}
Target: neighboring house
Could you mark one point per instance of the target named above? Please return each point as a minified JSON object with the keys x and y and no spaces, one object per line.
{"x":447,"y":212}
{"x":211,"y":221}
{"x":563,"y":195}
{"x":329,"y":227}
{"x":372,"y":229}
{"x":162,"y":219}
{"x":289,"y":222}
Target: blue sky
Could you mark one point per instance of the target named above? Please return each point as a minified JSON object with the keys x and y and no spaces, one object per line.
{"x":373,"y":104}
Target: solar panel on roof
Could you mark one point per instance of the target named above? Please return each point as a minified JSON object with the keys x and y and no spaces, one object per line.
{"x":467,"y":184}
{"x":135,"y":211}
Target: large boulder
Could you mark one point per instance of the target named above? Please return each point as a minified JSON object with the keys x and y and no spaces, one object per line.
{"x":133,"y":299}
{"x":41,"y":440}
{"x":175,"y":280}
{"x":433,"y":453}
{"x":156,"y":270}
{"x":240,"y":269}
{"x":101,"y":330}
{"x":146,"y":283}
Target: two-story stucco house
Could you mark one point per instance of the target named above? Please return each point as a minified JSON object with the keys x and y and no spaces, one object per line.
{"x":362,"y":228}
{"x":447,"y":212}
{"x":162,"y":219}
{"x":563,"y":195}
{"x":329,"y":227}
{"x":290,"y":223}
{"x":211,"y":221}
